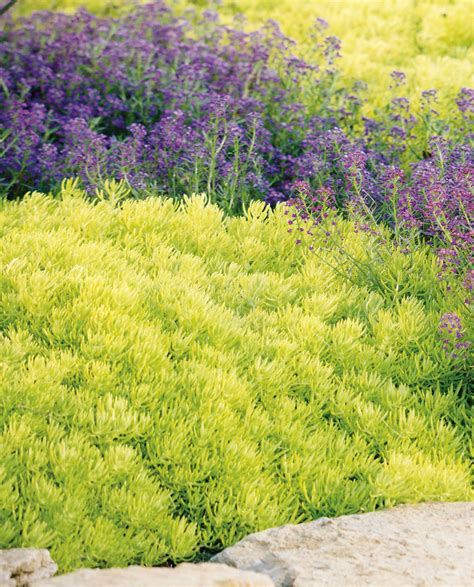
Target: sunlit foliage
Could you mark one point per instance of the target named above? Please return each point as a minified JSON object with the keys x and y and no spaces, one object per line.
{"x":172,"y":380}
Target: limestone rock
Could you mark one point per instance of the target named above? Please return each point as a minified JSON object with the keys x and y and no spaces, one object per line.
{"x":6,"y":579}
{"x":22,"y":566}
{"x":424,"y":545}
{"x":185,"y":575}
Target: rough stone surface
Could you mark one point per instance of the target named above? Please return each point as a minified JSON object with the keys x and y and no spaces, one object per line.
{"x":185,"y":575}
{"x":22,"y":566}
{"x":425,"y":545}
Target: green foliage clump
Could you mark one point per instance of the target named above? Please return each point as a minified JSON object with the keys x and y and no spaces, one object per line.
{"x":172,"y":380}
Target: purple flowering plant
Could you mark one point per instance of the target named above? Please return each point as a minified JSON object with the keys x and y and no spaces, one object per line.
{"x":453,"y":333}
{"x":174,"y":105}
{"x":167,"y":104}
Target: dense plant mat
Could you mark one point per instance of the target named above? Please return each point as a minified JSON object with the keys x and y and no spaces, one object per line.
{"x":431,"y":40}
{"x":172,"y":381}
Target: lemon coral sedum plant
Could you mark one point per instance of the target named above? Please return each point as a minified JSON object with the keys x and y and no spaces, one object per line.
{"x":172,"y":380}
{"x":430,"y":40}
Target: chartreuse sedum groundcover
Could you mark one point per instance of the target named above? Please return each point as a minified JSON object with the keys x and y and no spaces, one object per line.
{"x":172,"y":380}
